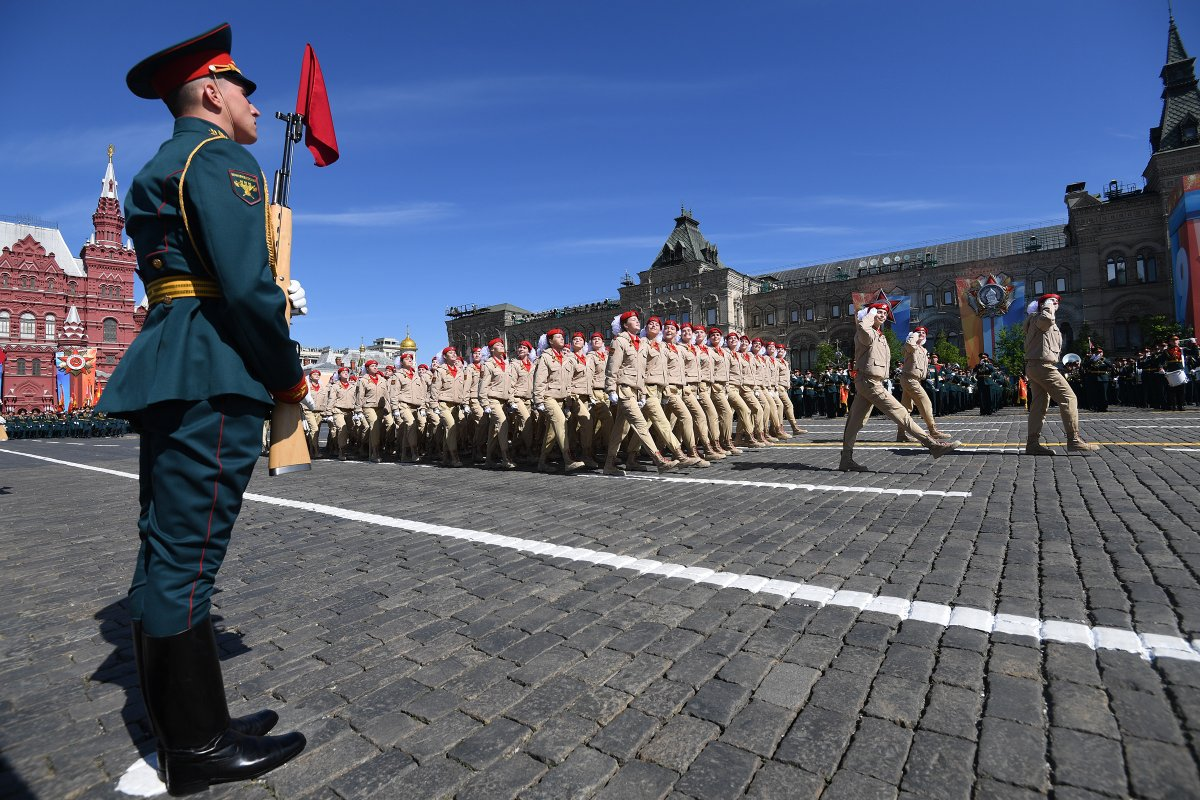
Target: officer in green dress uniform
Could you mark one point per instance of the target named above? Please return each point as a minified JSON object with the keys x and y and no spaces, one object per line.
{"x":197,"y":383}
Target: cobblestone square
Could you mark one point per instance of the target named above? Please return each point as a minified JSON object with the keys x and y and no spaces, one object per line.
{"x":988,"y":624}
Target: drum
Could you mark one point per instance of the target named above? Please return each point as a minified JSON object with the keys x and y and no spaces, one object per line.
{"x":1177,"y":377}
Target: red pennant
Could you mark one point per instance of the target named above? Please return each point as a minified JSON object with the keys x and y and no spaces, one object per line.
{"x":313,"y":103}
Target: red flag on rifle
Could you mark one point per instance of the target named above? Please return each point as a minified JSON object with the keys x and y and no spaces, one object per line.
{"x":313,"y":103}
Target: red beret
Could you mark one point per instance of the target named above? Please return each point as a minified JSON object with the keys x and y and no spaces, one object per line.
{"x":578,"y":334}
{"x":372,"y":361}
{"x":1053,"y":297}
{"x":596,"y":335}
{"x":921,"y":329}
{"x":628,"y":314}
{"x":316,"y":372}
{"x":672,"y":323}
{"x":391,"y":367}
{"x":716,"y":330}
{"x":755,"y":340}
{"x":526,"y":344}
{"x":449,"y":349}
{"x":422,"y":366}
{"x":551,"y":332}
{"x":688,"y":326}
{"x":654,"y":319}
{"x":495,"y":342}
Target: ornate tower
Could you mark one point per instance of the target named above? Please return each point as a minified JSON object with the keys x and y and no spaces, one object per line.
{"x":1181,"y":101}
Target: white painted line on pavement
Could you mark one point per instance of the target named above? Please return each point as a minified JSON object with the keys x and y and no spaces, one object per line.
{"x":1146,"y":645}
{"x":1131,"y":427}
{"x":807,"y":487}
{"x":1183,"y":449}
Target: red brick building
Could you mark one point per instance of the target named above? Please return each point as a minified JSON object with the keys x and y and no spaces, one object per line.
{"x":50,"y":300}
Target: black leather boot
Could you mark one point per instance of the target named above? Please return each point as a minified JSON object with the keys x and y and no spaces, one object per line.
{"x":257,"y":724}
{"x":186,"y":700}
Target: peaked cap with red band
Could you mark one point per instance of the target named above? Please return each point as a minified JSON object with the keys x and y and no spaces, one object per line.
{"x":156,"y":76}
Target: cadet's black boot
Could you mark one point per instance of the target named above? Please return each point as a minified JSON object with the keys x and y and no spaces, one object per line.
{"x":256,"y":724}
{"x":185,"y":697}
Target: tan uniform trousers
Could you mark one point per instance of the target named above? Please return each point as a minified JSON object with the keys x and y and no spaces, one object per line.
{"x":674,"y":404}
{"x":522,"y":423}
{"x":789,"y":413}
{"x":915,"y":396}
{"x":409,"y":427}
{"x":656,"y":415}
{"x":582,"y":426}
{"x":497,"y":429}
{"x":629,"y":415}
{"x":451,"y":417}
{"x":691,"y":399}
{"x":313,"y":419}
{"x":773,"y":408}
{"x":556,"y":430}
{"x":871,"y":393}
{"x":341,"y":428}
{"x":1046,"y":383}
{"x":375,"y":425}
{"x":719,"y":394}
{"x":480,"y":424}
{"x":704,"y":396}
{"x":736,"y":395}
{"x":603,"y":418}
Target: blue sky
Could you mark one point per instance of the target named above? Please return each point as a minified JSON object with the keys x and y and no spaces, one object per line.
{"x":533,"y":152}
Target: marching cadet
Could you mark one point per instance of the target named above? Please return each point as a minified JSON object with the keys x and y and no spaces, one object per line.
{"x":582,"y":421}
{"x":371,"y":403}
{"x":602,"y":410}
{"x":783,"y":387}
{"x":654,"y":353}
{"x":479,"y":421}
{"x":913,"y":371}
{"x":406,"y":403}
{"x":721,"y":393}
{"x":673,"y":400}
{"x":1043,"y":344}
{"x":313,"y":411}
{"x":704,"y":389}
{"x":624,"y":382}
{"x":692,"y":368}
{"x":741,"y":395}
{"x":553,"y":374}
{"x":521,"y":423}
{"x":871,"y":358}
{"x":449,"y":393}
{"x":198,"y":216}
{"x":495,"y":393}
{"x":338,"y":404}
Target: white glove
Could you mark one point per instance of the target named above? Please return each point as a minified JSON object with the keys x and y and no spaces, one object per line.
{"x":487,"y":409}
{"x":397,"y":415}
{"x":466,"y":409}
{"x":541,"y":406}
{"x":327,"y":418}
{"x":307,"y":429}
{"x":296,"y":298}
{"x":613,"y":398}
{"x":420,"y":412}
{"x":512,"y":406}
{"x":756,"y":394}
{"x":914,"y":338}
{"x":308,"y":402}
{"x":358,"y":417}
{"x":641,"y":402}
{"x":1051,"y":304}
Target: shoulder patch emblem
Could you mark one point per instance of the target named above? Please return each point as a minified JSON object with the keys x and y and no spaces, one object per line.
{"x":245,"y":187}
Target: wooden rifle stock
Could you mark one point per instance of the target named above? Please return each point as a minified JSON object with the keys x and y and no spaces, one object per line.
{"x":289,"y":447}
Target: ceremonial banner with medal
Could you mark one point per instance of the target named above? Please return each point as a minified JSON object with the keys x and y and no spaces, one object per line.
{"x":76,"y":377}
{"x":988,"y":304}
{"x":1183,"y":227}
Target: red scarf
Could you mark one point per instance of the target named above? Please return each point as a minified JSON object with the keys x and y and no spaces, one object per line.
{"x":374,"y":379}
{"x":500,"y":363}
{"x":453,"y":371}
{"x":558,"y":355}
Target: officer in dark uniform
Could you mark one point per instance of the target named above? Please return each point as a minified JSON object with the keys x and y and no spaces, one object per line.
{"x":985,"y":380}
{"x":197,"y":213}
{"x":1099,"y":374}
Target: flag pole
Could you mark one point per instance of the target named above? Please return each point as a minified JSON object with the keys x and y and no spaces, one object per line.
{"x":289,"y":447}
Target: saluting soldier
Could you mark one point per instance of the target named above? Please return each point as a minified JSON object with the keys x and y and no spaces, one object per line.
{"x":912,"y":372}
{"x":1043,"y":343}
{"x":871,"y":358}
{"x":197,"y":214}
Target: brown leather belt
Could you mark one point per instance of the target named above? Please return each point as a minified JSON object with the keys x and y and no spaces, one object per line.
{"x":164,"y":290}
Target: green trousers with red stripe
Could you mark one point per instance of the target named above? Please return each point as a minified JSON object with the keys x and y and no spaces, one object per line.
{"x":195,"y":463}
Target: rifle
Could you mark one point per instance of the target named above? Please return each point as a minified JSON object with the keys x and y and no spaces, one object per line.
{"x":289,"y":447}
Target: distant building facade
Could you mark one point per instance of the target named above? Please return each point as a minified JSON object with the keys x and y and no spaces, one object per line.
{"x":50,"y":300}
{"x":1110,"y":261}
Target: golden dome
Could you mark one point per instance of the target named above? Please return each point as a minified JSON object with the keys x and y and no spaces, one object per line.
{"x":407,"y":343}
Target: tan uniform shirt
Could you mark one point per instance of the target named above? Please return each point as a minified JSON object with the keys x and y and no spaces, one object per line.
{"x":1043,"y":339}
{"x":916,"y":362}
{"x":691,"y":363}
{"x":626,"y":364}
{"x":449,"y":384}
{"x":871,"y":352}
{"x":370,"y":393}
{"x":674,"y":356}
{"x":597,"y":361}
{"x":581,"y":376}
{"x":339,"y":396}
{"x":552,"y":373}
{"x":494,"y":381}
{"x":521,"y":373}
{"x":720,"y":364}
{"x":655,"y":354}
{"x":407,"y":387}
{"x":471,"y":380}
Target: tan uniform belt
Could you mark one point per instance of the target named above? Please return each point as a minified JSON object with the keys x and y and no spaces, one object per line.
{"x":165,"y":290}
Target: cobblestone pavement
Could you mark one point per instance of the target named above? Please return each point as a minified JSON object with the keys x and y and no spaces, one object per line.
{"x":768,"y":627}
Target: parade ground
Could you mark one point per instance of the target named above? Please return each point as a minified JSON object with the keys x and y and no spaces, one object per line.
{"x":988,"y":624}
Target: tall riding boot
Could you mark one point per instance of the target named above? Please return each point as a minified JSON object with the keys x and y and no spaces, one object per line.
{"x":186,"y":699}
{"x":257,"y":724}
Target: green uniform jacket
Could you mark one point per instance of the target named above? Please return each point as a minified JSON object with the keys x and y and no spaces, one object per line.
{"x":192,"y":348}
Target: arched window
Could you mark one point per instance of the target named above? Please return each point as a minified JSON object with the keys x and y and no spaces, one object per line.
{"x":37,"y":366}
{"x":1147,"y":268}
{"x":1116,"y":270}
{"x":809,"y":313}
{"x":50,"y":285}
{"x":20,"y":366}
{"x":836,"y":311}
{"x":4,"y":281}
{"x":770,"y":317}
{"x":110,"y":329}
{"x":72,"y":287}
{"x":26,"y":282}
{"x":50,"y":326}
{"x":4,"y":319}
{"x":27,"y":326}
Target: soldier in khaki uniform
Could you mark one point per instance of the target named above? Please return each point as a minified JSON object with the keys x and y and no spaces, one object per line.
{"x":783,"y":385}
{"x":673,"y":400}
{"x":370,"y":401}
{"x":581,"y":424}
{"x":692,"y":368}
{"x":313,"y":410}
{"x":521,"y":423}
{"x":406,"y":402}
{"x":740,"y":394}
{"x":624,"y":382}
{"x":553,"y":374}
{"x":655,"y":354}
{"x":721,"y":393}
{"x":912,"y":371}
{"x":871,"y":359}
{"x":602,"y":410}
{"x":764,"y":386}
{"x":479,"y":422}
{"x":1043,"y":343}
{"x":339,"y":404}
{"x":449,"y":393}
{"x":495,"y":393}
{"x":707,"y":390}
